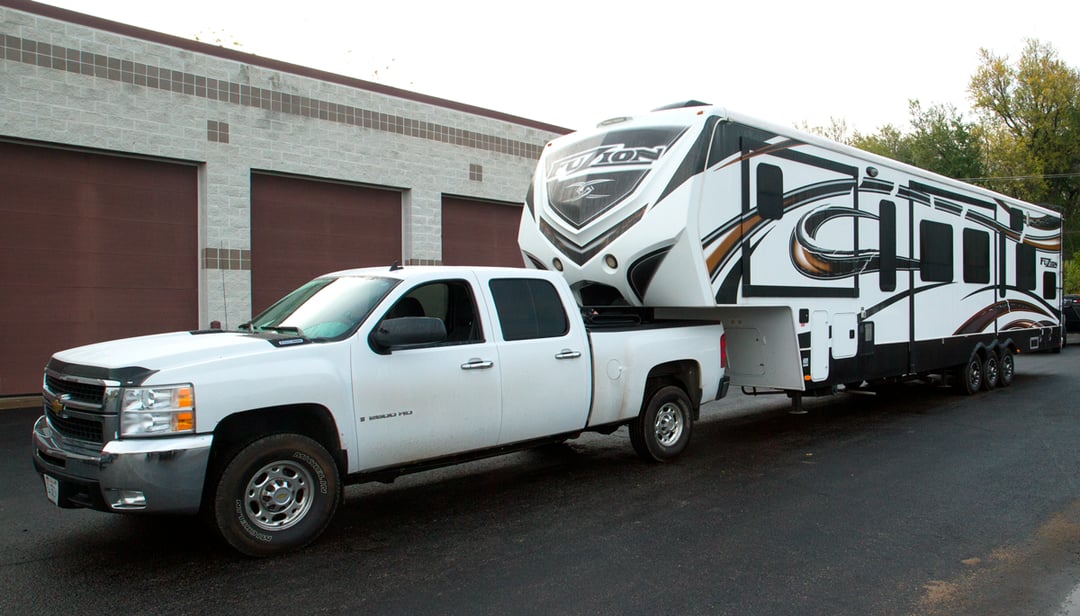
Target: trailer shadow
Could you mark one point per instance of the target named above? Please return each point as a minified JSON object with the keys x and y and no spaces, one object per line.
{"x":434,"y":509}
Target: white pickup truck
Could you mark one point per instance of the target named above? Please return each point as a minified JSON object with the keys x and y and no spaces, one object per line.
{"x":360,"y":375}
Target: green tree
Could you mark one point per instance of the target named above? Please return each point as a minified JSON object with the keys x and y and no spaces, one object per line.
{"x":1031,"y":116}
{"x":1071,"y":273}
{"x":940,"y":140}
{"x":888,"y":141}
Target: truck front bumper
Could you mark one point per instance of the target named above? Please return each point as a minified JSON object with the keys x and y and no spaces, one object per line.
{"x":159,"y":475}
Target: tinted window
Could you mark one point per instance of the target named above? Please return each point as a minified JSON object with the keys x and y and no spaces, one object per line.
{"x":935,"y":251}
{"x":976,"y":256}
{"x":450,"y":301}
{"x":528,"y":308}
{"x":887,"y":246}
{"x":770,"y":191}
{"x":1049,"y":285}
{"x":1016,"y":220}
{"x":1025,"y":267}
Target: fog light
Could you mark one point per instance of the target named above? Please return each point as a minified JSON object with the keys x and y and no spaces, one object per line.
{"x":127,"y":499}
{"x":611,"y":261}
{"x":557,"y":264}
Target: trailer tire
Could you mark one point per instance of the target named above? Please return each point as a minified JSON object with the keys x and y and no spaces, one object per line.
{"x":991,"y":371}
{"x":1006,"y":367}
{"x":662,"y":430}
{"x":969,"y":377}
{"x":277,"y":494}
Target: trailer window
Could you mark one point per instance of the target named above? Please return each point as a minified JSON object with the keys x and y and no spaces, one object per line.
{"x":1049,"y":285}
{"x":1025,"y":267}
{"x":887,"y":246}
{"x":1016,"y":220}
{"x":935,"y":251}
{"x":528,"y":308}
{"x":770,"y":191}
{"x":976,"y":256}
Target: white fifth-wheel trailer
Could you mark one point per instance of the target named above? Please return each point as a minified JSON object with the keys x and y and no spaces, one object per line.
{"x":828,"y":265}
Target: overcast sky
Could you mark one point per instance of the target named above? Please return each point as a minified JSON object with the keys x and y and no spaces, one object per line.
{"x":574,"y":63}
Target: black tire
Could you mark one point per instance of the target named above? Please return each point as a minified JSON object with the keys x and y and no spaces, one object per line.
{"x":662,"y":430}
{"x":991,"y":371}
{"x":969,"y":377}
{"x":293,"y":470}
{"x":1006,"y":368}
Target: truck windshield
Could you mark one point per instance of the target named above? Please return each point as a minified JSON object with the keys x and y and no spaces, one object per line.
{"x":325,"y":308}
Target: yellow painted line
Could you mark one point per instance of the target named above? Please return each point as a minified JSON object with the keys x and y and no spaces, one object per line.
{"x":20,"y":402}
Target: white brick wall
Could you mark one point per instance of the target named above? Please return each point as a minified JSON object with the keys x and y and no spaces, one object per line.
{"x":54,"y":105}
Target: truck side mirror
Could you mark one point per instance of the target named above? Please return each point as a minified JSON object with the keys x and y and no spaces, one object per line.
{"x":406,"y":332}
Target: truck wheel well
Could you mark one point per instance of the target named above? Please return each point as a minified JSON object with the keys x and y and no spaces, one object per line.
{"x":241,"y":429}
{"x":683,"y":374}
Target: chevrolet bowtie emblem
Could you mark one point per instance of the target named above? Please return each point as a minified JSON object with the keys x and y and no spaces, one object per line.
{"x":57,"y":405}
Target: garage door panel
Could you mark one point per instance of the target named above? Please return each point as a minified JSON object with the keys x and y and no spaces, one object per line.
{"x":301,"y":228}
{"x":480,"y":233}
{"x":92,"y":247}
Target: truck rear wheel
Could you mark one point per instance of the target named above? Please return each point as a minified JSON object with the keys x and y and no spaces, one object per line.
{"x":276,"y":494}
{"x":662,"y":430}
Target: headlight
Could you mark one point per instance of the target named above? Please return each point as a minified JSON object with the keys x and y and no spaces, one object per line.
{"x":153,"y":411}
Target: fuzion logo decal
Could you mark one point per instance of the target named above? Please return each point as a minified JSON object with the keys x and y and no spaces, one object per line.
{"x":586,"y":190}
{"x":605,"y":156}
{"x":586,"y":178}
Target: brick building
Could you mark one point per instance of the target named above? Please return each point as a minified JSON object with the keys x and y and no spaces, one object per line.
{"x":152,"y":183}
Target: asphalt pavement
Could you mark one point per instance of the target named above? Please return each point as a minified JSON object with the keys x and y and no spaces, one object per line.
{"x":913,"y":500}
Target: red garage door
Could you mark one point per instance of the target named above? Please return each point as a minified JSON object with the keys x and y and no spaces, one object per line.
{"x":302,"y":228}
{"x":92,"y":247}
{"x":480,"y":232}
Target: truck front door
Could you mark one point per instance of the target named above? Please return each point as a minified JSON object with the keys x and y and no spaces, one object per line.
{"x":433,"y":400}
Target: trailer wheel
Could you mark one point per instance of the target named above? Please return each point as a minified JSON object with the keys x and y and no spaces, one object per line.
{"x":991,"y":371}
{"x":1006,"y":367}
{"x":969,"y":378}
{"x":276,"y":494}
{"x":662,"y":430}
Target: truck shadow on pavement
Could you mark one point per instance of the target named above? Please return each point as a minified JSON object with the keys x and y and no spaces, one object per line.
{"x":434,"y":510}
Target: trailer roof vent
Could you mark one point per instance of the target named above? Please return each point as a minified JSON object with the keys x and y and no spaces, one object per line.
{"x":682,"y":104}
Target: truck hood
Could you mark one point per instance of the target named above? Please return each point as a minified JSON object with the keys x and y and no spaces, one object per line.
{"x":149,"y":354}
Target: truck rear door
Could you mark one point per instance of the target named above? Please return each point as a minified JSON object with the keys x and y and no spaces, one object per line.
{"x":544,"y":358}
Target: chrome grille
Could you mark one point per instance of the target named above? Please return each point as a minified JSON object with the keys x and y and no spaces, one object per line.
{"x":89,"y":430}
{"x":89,"y":393}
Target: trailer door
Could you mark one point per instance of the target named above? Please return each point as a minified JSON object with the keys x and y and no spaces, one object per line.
{"x":819,"y":346}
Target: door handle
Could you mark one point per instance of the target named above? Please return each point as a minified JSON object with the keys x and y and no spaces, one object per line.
{"x":567,"y":354}
{"x":477,"y":364}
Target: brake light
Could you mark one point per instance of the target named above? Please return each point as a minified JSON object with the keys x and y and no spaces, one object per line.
{"x":723,"y":350}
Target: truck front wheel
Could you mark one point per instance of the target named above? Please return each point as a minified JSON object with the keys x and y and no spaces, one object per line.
{"x":662,"y":430}
{"x":277,"y":494}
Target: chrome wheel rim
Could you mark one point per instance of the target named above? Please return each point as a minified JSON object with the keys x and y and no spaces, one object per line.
{"x":1006,"y":368}
{"x":669,"y":424}
{"x":278,"y":496}
{"x":991,"y":371}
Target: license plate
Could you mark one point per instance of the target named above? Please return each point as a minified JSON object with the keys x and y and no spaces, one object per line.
{"x":52,"y":489}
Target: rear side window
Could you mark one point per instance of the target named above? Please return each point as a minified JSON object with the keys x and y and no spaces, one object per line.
{"x":976,"y":256}
{"x":770,"y":191}
{"x":935,"y":251}
{"x":1025,"y":267}
{"x":528,"y":308}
